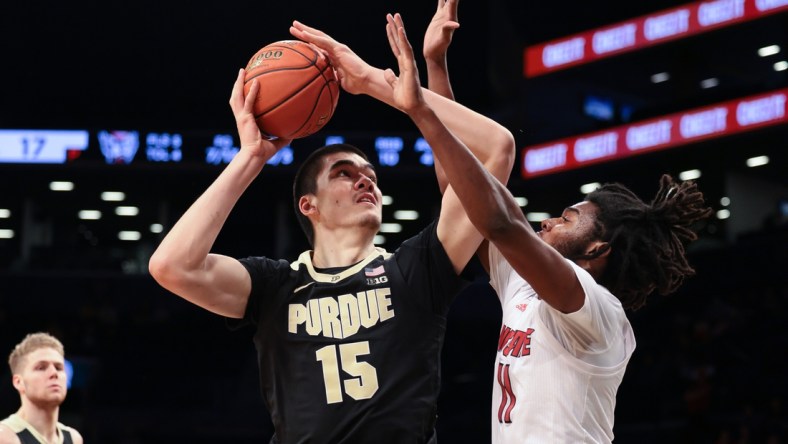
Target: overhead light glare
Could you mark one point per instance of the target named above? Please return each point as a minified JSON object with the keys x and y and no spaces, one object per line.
{"x":113,"y":196}
{"x":61,"y":186}
{"x":406,"y":215}
{"x":127,"y":211}
{"x":782,"y":65}
{"x":390,"y":228}
{"x":757,"y":161}
{"x":660,"y":77}
{"x":767,"y":51}
{"x":537,"y":216}
{"x":709,"y":83}
{"x":129,"y":235}
{"x":589,"y":187}
{"x":89,"y":214}
{"x":689,"y":175}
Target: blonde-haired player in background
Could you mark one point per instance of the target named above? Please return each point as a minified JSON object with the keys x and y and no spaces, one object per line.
{"x":39,"y":375}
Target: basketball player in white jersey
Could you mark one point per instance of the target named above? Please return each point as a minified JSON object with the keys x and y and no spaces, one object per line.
{"x":565,"y":339}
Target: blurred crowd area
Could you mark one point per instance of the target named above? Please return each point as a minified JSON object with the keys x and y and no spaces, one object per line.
{"x":150,"y":368}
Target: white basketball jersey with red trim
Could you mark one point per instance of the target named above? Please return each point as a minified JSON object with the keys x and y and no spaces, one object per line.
{"x":556,"y":375}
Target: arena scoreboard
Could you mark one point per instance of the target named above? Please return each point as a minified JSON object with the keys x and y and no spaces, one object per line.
{"x":137,"y":147}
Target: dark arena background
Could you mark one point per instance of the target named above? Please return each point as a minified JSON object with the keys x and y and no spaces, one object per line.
{"x":133,"y":99}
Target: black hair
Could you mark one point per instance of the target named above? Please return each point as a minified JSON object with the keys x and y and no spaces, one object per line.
{"x":647,"y":241}
{"x":305,"y":181}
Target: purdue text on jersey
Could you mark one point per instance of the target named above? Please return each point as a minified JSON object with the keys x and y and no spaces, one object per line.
{"x":341,"y":317}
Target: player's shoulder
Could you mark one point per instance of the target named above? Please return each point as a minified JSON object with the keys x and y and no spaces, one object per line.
{"x":76,"y":437}
{"x":8,"y":436}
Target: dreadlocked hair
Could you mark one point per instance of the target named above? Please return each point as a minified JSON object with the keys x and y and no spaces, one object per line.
{"x":647,"y":240}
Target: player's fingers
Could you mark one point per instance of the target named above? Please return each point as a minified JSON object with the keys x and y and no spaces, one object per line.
{"x":313,"y":31}
{"x":405,"y":48}
{"x":326,"y":44}
{"x":452,"y":5}
{"x":398,"y":20}
{"x":320,"y":51}
{"x":303,"y":35}
{"x":281,"y":143}
{"x":402,"y":38}
{"x":251,"y":96}
{"x":450,"y":26}
{"x":236,"y":96}
{"x":390,"y":77}
{"x":391,"y":33}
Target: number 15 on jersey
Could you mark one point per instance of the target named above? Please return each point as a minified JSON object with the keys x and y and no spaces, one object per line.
{"x":364,"y":382}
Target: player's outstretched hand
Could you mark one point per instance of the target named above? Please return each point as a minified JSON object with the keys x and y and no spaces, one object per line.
{"x":352,"y":71}
{"x":406,"y":88}
{"x":249,"y":133}
{"x":439,"y":33}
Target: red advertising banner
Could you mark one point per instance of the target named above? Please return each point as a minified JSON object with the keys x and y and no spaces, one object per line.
{"x":644,"y":31}
{"x":656,"y":134}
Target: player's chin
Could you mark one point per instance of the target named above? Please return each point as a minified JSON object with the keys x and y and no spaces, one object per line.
{"x":372,"y":221}
{"x":51,"y":401}
{"x":59,"y":393}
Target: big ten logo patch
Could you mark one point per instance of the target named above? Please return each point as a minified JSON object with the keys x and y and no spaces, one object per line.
{"x":377,"y":280}
{"x":375,"y":275}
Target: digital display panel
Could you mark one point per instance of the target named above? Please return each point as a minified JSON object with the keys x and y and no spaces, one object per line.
{"x":661,"y":133}
{"x":137,"y":147}
{"x":641,"y":32}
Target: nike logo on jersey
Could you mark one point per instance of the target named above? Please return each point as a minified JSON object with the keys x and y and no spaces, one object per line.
{"x":342,"y":316}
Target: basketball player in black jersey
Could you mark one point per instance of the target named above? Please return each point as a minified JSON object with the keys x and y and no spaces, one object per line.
{"x":38,"y":369}
{"x":348,"y":335}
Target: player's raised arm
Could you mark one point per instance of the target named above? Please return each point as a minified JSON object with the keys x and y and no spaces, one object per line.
{"x":437,"y":39}
{"x":482,"y":135}
{"x":487,"y":202}
{"x":458,"y":235}
{"x":491,"y":143}
{"x":183,"y":262}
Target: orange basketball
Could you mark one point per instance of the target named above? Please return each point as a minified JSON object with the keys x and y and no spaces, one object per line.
{"x":298,"y":89}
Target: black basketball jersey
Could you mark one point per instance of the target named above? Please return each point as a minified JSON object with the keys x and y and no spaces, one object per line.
{"x":28,"y":435}
{"x":352,"y":355}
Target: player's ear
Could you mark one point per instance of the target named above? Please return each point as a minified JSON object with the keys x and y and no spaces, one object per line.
{"x":597,"y":249}
{"x":16,"y":380}
{"x":595,"y":259}
{"x":306,"y":205}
